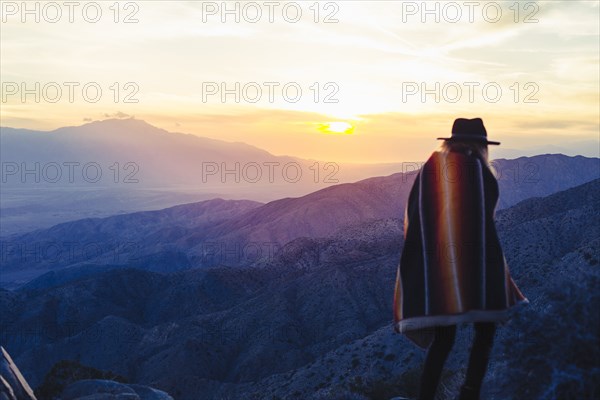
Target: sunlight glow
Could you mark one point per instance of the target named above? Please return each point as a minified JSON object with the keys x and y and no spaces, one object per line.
{"x":337,"y":127}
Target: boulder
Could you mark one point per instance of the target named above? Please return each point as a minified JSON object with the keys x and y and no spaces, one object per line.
{"x":98,"y":389}
{"x":12,"y":384}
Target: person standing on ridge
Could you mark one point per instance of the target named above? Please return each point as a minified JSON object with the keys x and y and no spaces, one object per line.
{"x":452,"y":269}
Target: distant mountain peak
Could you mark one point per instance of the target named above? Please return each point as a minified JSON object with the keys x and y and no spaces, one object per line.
{"x":131,"y":121}
{"x":112,"y":127}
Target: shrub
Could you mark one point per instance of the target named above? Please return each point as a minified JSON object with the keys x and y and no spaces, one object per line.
{"x":554,"y":351}
{"x":65,"y":372}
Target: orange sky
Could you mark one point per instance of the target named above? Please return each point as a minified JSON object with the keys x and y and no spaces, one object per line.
{"x":378,"y":66}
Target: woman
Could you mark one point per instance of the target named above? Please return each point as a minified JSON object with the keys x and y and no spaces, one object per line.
{"x":452,"y":269}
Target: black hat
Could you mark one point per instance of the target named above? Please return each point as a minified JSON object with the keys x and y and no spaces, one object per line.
{"x":469,"y":129}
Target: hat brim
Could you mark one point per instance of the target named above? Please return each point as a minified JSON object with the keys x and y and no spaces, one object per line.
{"x":469,"y":138}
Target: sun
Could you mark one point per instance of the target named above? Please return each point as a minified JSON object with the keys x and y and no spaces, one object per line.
{"x":337,"y":127}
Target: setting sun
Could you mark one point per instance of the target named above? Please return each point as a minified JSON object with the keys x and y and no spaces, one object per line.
{"x":337,"y":127}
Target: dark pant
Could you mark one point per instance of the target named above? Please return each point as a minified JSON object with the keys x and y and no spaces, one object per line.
{"x":438,"y":353}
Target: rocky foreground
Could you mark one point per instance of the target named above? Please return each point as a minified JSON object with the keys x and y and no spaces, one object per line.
{"x":14,"y":387}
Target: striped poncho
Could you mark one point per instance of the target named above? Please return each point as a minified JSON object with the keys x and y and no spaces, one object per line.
{"x":452,"y":268}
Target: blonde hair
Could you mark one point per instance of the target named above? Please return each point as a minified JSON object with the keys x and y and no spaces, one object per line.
{"x":467,"y":147}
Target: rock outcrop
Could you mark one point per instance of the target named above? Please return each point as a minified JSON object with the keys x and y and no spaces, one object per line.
{"x":12,"y":384}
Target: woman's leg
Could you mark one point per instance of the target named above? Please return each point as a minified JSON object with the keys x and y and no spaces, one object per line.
{"x":478,"y":360}
{"x":437,"y":354}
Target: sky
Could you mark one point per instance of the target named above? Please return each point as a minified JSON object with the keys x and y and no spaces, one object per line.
{"x":346,"y":81}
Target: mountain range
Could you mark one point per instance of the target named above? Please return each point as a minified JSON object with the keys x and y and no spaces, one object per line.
{"x":287,"y":296}
{"x":119,"y":166}
{"x":240,"y":232}
{"x":314,"y":321}
{"x":116,"y":166}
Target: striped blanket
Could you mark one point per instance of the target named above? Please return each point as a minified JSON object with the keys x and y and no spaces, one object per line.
{"x":452,"y":269}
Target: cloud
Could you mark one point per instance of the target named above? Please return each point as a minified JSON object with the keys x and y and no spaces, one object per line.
{"x":559,"y":124}
{"x":118,"y":114}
